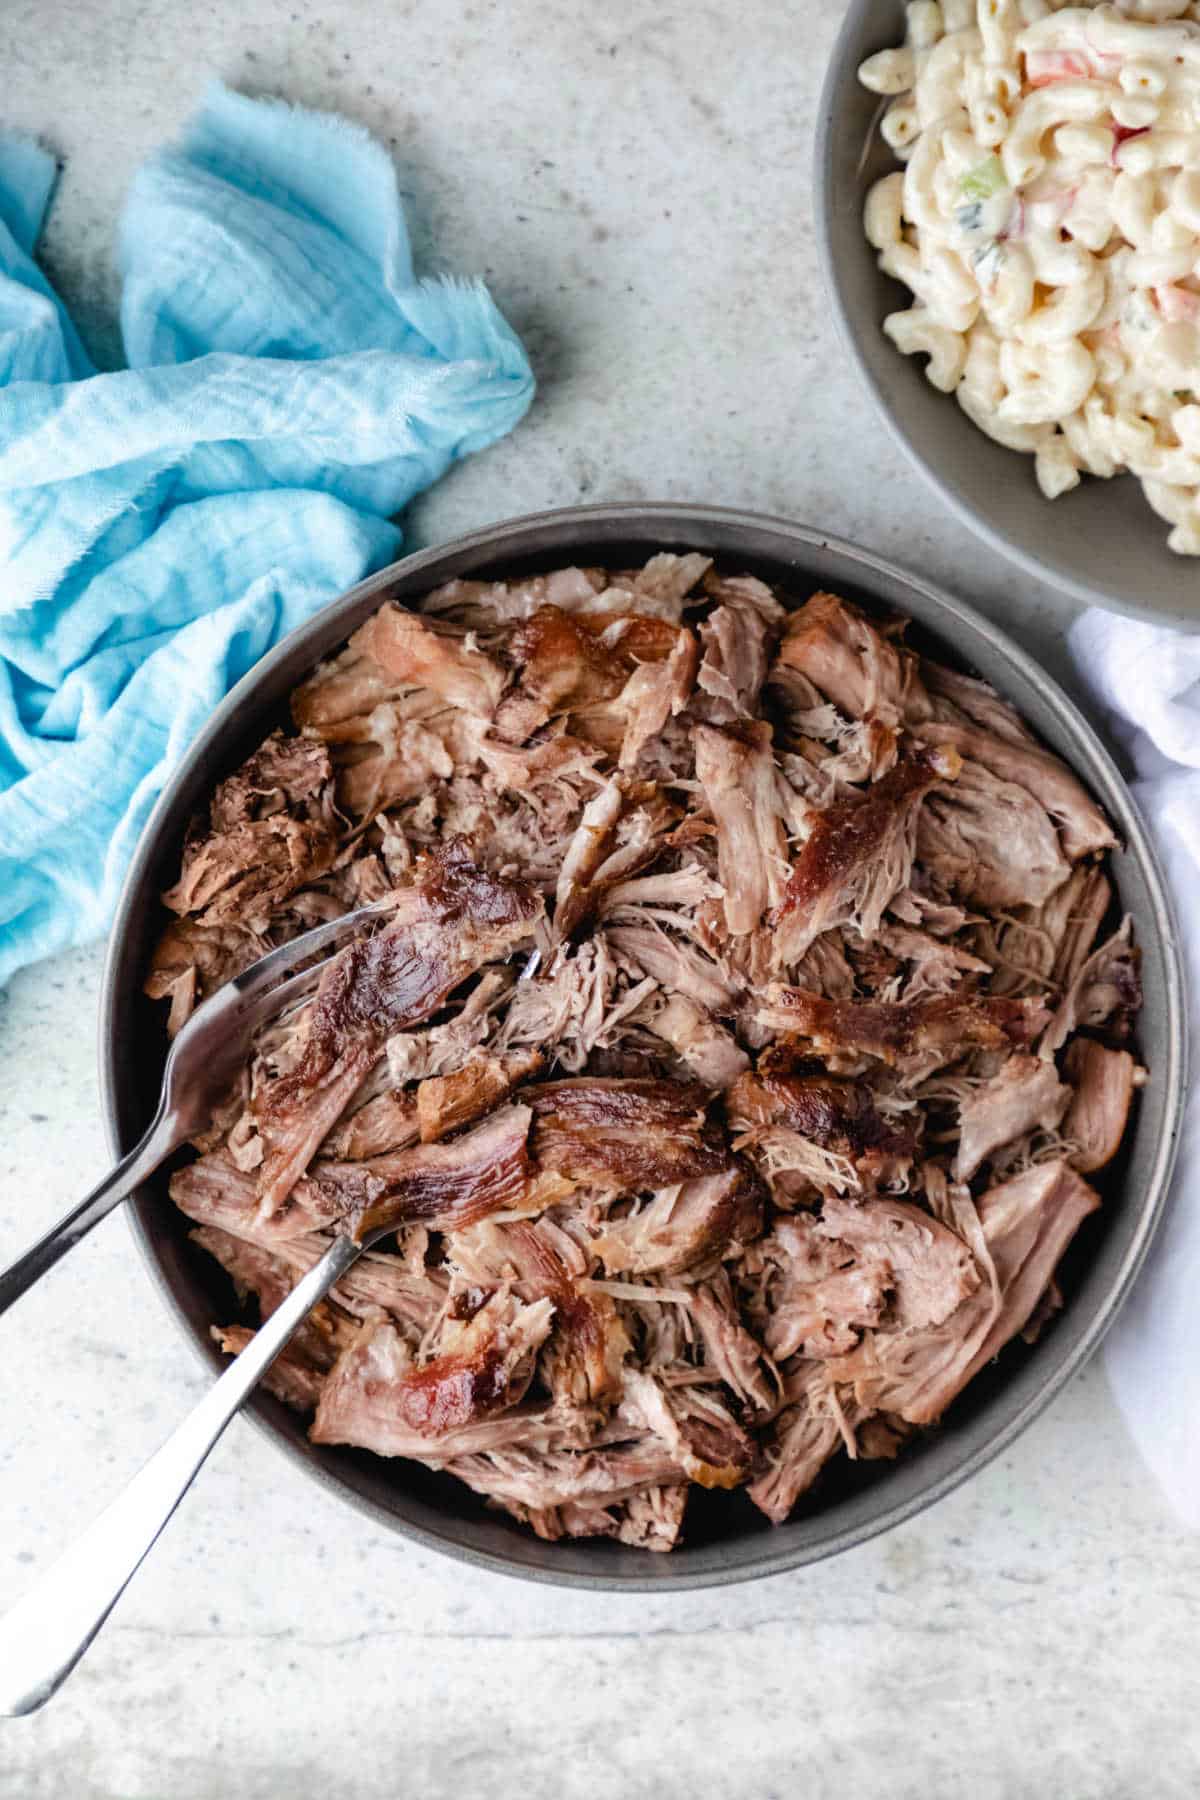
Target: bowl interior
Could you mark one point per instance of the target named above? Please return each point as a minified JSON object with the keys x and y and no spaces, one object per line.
{"x":727,"y":1539}
{"x":1102,"y":542}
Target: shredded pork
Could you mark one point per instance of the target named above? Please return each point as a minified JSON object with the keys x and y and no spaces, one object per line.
{"x":788,"y":1134}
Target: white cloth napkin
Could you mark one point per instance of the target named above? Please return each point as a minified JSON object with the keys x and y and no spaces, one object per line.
{"x":1148,"y":679}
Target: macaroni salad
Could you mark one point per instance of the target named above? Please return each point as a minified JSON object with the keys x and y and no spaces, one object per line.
{"x":1047,"y":223}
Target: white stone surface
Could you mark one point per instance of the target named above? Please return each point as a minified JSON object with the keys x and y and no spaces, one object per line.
{"x":634,"y":178}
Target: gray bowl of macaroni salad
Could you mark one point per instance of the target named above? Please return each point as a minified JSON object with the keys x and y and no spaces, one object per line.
{"x":1009,"y":197}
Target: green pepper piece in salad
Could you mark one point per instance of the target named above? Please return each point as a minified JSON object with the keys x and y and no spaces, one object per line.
{"x":984,"y":180}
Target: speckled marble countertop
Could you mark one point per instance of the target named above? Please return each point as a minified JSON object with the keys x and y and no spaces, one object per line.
{"x":633,"y":178}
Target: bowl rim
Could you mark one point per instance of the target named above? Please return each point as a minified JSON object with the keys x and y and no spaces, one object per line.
{"x":658,"y":521}
{"x":1042,"y":568}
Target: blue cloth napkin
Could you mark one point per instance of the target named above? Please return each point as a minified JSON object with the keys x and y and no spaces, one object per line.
{"x":290,"y":385}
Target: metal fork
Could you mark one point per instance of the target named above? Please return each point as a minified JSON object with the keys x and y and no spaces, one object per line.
{"x":44,"y":1635}
{"x":204,"y":1058}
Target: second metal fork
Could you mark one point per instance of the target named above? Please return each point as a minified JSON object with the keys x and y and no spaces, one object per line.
{"x":44,"y":1635}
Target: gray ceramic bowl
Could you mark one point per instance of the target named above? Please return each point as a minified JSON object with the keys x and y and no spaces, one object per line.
{"x":727,"y":1540}
{"x":1102,"y":542}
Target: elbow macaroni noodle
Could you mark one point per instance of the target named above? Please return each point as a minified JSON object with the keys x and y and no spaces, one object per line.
{"x":1046,"y":220}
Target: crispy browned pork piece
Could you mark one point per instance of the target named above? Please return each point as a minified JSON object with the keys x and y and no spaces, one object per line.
{"x":857,"y":858}
{"x":827,"y":1130}
{"x":538,"y":1259}
{"x":271,"y":830}
{"x":788,"y":1134}
{"x":484,"y":1365}
{"x":440,"y":1186}
{"x":452,"y":920}
{"x":446,"y":1103}
{"x":914,"y":1036}
{"x":626,"y":1135}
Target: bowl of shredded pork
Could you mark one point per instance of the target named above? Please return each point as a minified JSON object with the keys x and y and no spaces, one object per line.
{"x":827,"y":1134}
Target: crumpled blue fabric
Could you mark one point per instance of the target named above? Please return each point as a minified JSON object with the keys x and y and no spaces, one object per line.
{"x":291,"y":384}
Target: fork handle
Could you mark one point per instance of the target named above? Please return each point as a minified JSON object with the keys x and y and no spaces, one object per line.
{"x":141,"y":1161}
{"x":44,"y":1635}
